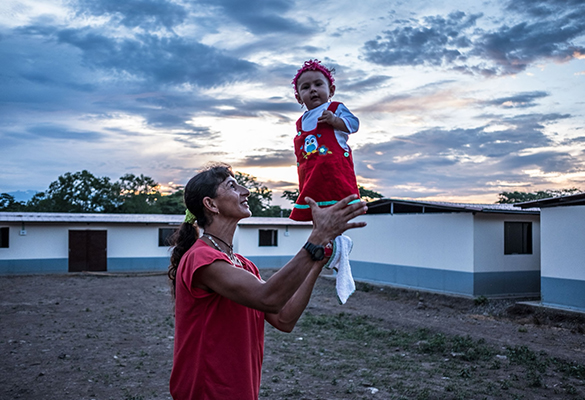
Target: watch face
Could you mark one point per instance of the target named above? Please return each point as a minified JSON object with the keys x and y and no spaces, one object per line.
{"x":319,"y":253}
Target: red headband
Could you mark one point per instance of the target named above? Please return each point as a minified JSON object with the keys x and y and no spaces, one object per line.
{"x":313,"y":65}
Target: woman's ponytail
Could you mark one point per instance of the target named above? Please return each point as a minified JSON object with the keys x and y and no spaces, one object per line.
{"x":182,"y":240}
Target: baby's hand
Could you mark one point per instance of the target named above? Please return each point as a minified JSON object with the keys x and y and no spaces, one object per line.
{"x":333,"y":120}
{"x":327,"y":117}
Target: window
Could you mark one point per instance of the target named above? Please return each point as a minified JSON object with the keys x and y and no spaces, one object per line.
{"x":164,"y":236}
{"x":517,"y":237}
{"x":268,"y":237}
{"x":4,"y":237}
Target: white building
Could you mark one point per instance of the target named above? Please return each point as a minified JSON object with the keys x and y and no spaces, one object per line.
{"x":562,"y":235}
{"x":465,"y":249}
{"x":61,"y":242}
{"x":270,"y":242}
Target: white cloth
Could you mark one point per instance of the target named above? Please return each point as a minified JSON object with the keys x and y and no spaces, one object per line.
{"x":339,"y":262}
{"x":310,"y":117}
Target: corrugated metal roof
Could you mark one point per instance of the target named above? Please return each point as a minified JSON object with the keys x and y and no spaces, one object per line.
{"x":91,"y":218}
{"x":272,"y":221}
{"x":415,"y":206}
{"x":573,"y":200}
{"x":33,"y":217}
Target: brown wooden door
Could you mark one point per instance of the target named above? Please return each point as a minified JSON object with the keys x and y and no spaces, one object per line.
{"x":87,"y":251}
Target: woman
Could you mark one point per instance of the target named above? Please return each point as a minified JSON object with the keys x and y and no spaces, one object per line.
{"x":221,"y":301}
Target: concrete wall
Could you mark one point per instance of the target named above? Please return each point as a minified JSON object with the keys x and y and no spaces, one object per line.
{"x":563,"y":257}
{"x":499,"y":274}
{"x":427,"y":251}
{"x":290,"y":240}
{"x":45,"y":248}
{"x":132,"y":247}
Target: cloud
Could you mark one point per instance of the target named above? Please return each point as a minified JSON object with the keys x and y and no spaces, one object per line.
{"x":545,"y":161}
{"x":269,"y":158}
{"x":262,"y":17}
{"x":146,"y":14}
{"x":193,"y":141}
{"x":434,"y":41}
{"x":457,"y":160}
{"x":520,"y":100}
{"x":365,"y":85}
{"x":49,"y":131}
{"x":39,"y":71}
{"x":513,"y":49}
{"x":157,"y":60}
{"x":544,"y":8}
{"x":454,"y":42}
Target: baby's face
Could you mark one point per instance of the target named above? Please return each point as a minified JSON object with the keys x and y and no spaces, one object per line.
{"x":314,"y":89}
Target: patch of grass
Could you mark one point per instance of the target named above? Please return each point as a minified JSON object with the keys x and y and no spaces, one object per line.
{"x":569,"y":368}
{"x":350,"y":354}
{"x":128,"y":396}
{"x":481,"y":301}
{"x":522,"y":355}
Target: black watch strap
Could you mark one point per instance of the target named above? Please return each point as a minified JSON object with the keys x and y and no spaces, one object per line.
{"x":316,"y":251}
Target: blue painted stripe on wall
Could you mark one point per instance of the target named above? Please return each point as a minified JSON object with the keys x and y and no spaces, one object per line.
{"x":507,"y":283}
{"x":565,"y":293}
{"x":455,"y":282}
{"x":34,"y":266}
{"x":61,"y":265}
{"x":142,"y":264}
{"x":414,"y":277}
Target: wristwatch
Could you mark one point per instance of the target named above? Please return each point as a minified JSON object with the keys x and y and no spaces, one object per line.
{"x":317,"y":251}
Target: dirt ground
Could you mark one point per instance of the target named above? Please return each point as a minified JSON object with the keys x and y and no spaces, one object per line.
{"x":84,"y":336}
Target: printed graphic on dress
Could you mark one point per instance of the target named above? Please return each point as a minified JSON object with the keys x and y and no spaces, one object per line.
{"x":312,"y":146}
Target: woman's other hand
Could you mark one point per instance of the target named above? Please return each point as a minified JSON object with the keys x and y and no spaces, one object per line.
{"x":330,"y":222}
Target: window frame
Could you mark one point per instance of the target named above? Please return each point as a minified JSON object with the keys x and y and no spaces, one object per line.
{"x":163,"y":238}
{"x":267,"y":241}
{"x":4,"y":237}
{"x":518,"y":238}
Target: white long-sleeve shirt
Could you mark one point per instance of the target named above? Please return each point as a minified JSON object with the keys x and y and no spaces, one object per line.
{"x":309,"y":122}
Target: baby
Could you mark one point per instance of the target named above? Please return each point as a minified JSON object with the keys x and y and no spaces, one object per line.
{"x":324,"y":159}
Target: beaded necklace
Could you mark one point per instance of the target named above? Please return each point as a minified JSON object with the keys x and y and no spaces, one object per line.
{"x":230,"y":246}
{"x":230,"y":254}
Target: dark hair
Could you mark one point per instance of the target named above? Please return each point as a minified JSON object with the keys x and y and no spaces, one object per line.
{"x":202,"y":185}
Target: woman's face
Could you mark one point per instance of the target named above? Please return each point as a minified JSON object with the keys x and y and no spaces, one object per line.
{"x":232,"y":199}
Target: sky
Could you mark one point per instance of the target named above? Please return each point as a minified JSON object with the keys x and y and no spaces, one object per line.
{"x":457,"y":100}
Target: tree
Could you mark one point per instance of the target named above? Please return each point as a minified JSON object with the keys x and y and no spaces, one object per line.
{"x":80,"y":192}
{"x":520,"y":197}
{"x":291,"y":195}
{"x":84,"y":192}
{"x":276,"y":211}
{"x":172,"y":203}
{"x":368,"y":195}
{"x":8,"y":203}
{"x":137,"y":194}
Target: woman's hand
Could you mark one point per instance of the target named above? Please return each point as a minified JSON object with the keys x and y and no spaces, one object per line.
{"x":330,"y":222}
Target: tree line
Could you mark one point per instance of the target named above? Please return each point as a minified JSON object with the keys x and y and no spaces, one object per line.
{"x":520,"y":197}
{"x":83,"y":192}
